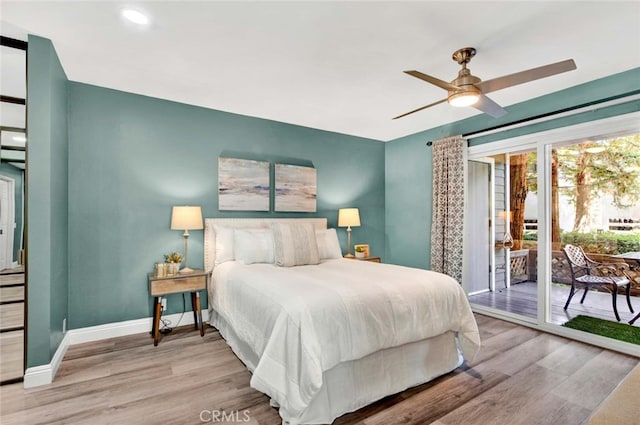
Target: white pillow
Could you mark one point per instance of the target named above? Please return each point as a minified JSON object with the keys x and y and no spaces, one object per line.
{"x":224,"y":244}
{"x":328,"y":245}
{"x":295,"y":244}
{"x":253,"y":246}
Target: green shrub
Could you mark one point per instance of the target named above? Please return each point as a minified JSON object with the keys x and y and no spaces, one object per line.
{"x":597,"y":243}
{"x":629,"y":243}
{"x":603,"y":243}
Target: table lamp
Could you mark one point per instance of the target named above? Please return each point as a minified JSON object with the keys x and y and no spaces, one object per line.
{"x":186,"y":218}
{"x":348,"y":217}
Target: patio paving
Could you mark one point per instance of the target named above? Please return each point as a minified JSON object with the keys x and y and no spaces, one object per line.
{"x":521,"y":298}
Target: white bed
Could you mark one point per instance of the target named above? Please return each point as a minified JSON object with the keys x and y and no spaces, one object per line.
{"x":323,"y":340}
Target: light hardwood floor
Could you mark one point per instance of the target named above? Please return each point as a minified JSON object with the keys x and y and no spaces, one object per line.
{"x":520,"y":376}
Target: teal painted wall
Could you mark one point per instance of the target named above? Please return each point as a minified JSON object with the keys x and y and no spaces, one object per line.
{"x":105,"y":168}
{"x":133,"y":157}
{"x":17,"y":174}
{"x":47,"y":201}
{"x":408,"y":172}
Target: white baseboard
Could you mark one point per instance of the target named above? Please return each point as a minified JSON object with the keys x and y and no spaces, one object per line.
{"x":43,"y":375}
{"x":128,"y":327}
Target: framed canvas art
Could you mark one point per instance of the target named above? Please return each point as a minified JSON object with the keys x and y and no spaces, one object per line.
{"x":295,"y":188}
{"x":243,"y":185}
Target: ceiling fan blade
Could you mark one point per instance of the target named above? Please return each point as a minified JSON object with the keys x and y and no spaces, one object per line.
{"x":433,"y":80}
{"x":526,"y":76}
{"x":489,"y":107}
{"x":420,"y":109}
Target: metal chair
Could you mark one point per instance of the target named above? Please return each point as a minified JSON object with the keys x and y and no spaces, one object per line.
{"x":588,"y":274}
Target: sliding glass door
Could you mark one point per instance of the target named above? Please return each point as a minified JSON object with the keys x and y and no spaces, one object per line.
{"x":594,"y":205}
{"x":510,"y":285}
{"x":575,"y":186}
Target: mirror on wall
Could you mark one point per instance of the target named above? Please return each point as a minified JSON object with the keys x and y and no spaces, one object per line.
{"x":13,"y":163}
{"x":13,"y":152}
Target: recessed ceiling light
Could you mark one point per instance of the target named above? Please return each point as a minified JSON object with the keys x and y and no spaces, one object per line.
{"x":135,"y":16}
{"x":19,"y":138}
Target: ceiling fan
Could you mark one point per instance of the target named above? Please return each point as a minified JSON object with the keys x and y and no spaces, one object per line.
{"x":469,"y":90}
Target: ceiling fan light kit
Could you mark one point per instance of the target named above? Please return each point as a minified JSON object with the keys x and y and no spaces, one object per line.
{"x":469,"y":90}
{"x":464,"y":98}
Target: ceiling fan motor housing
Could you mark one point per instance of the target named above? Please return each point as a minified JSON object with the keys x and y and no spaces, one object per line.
{"x":465,"y":83}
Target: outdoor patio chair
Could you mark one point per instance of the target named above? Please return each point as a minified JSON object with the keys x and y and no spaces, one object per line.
{"x":590,"y":274}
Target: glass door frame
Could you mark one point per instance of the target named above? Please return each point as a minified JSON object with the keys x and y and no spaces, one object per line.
{"x":491,"y":257}
{"x":543,"y":142}
{"x":481,"y":153}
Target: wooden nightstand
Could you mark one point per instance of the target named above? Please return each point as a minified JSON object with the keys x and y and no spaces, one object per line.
{"x":176,"y":284}
{"x":372,"y":259}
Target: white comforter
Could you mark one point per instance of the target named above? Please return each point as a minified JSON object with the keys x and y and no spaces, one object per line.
{"x":302,"y":321}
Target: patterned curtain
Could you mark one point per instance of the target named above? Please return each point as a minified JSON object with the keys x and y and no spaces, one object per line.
{"x":449,"y":165}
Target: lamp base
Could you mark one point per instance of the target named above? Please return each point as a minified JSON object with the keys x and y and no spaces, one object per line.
{"x":349,"y":256}
{"x":186,"y":270}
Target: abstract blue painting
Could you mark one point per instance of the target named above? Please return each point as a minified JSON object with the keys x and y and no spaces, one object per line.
{"x":243,"y":185}
{"x":295,"y":188}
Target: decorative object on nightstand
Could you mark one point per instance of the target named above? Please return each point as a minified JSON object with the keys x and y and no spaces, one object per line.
{"x":160,"y":270}
{"x":361,"y":249}
{"x":172,"y":260}
{"x":186,"y":218}
{"x":348,"y":217}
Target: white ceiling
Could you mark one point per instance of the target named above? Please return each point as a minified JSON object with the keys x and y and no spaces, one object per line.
{"x":329,"y":65}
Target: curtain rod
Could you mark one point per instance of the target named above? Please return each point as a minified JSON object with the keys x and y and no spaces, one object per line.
{"x":12,"y":99}
{"x":12,"y":42}
{"x":548,"y":114}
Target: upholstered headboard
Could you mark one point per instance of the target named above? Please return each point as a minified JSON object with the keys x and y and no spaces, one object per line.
{"x":245,"y":223}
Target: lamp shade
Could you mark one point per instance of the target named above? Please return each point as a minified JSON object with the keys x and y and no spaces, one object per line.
{"x":186,"y":218}
{"x":348,"y":217}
